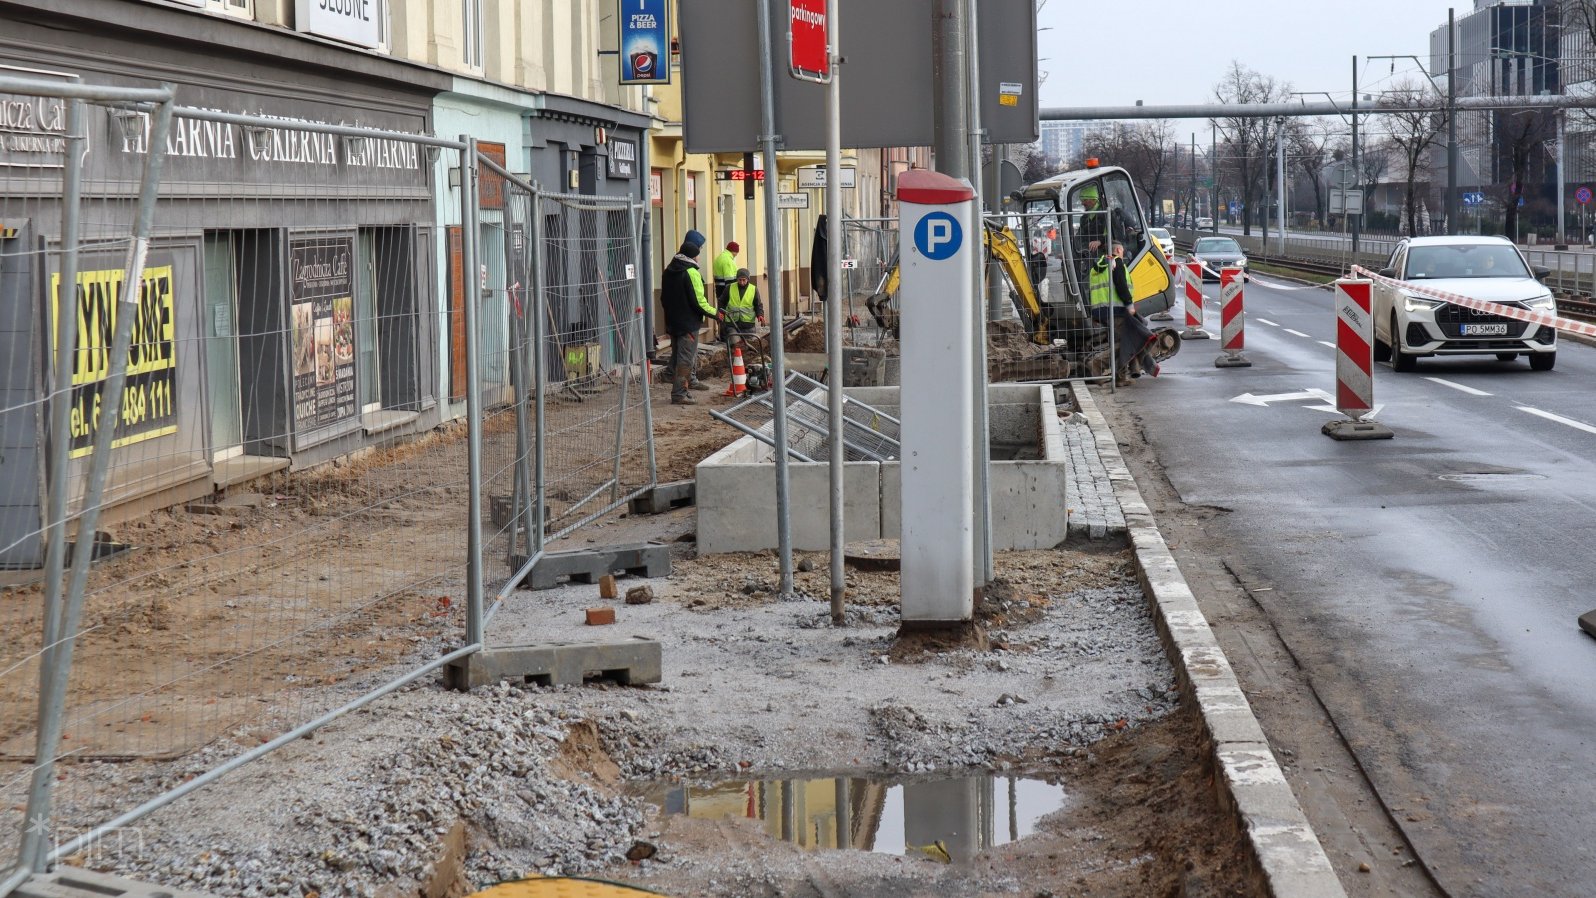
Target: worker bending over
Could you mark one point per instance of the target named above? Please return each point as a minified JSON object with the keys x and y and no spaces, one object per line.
{"x":1109,"y":280}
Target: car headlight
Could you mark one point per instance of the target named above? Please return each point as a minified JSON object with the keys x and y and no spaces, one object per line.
{"x":1542,"y":304}
{"x":1419,"y":303}
{"x":1241,"y":263}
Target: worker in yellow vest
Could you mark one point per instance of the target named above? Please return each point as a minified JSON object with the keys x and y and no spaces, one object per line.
{"x":743,"y":308}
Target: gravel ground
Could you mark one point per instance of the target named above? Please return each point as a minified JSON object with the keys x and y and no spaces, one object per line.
{"x":1065,"y":680}
{"x":751,"y":686}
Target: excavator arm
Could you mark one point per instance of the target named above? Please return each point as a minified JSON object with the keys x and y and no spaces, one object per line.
{"x":1002,"y":245}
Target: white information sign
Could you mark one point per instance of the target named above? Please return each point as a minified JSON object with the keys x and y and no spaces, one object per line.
{"x":816,"y":177}
{"x":356,"y":22}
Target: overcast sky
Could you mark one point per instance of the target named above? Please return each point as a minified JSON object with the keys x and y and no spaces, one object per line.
{"x":1309,"y":43}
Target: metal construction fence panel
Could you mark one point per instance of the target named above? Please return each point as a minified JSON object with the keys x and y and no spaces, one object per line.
{"x":333,"y":370}
{"x":285,"y":506}
{"x":54,"y":347}
{"x":570,"y":435}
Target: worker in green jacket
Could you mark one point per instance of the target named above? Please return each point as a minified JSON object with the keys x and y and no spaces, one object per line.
{"x":725,"y":271}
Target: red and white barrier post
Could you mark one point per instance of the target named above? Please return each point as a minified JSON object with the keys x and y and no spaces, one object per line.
{"x":1194,"y":304}
{"x":1232,"y":320}
{"x":1174,"y":280}
{"x":1355,"y":363}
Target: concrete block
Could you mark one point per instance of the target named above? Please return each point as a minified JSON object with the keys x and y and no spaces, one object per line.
{"x":631,"y":662}
{"x":863,"y":366}
{"x":587,"y":565}
{"x":75,"y":882}
{"x":737,"y":505}
{"x":664,"y":497}
{"x":1028,"y":505}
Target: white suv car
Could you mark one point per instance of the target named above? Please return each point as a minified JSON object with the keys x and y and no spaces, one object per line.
{"x":1408,"y":324}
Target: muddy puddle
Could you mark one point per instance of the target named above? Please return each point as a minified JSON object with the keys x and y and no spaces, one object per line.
{"x":949,"y":819}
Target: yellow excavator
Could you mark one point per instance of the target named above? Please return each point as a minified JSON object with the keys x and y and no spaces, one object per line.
{"x":1062,"y":216}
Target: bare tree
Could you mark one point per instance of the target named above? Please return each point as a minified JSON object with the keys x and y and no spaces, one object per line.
{"x":1411,"y":132}
{"x":1146,"y":150}
{"x":1033,"y":164}
{"x":1249,"y":141}
{"x":1308,"y":141}
{"x":1522,"y":135}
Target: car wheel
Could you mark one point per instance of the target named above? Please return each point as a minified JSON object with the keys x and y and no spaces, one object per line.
{"x":1507,"y":357}
{"x":1382,"y":349}
{"x":1400,"y":361}
{"x":1542,"y":361}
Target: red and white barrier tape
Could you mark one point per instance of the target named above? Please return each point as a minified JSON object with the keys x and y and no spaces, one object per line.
{"x":1546,"y":319}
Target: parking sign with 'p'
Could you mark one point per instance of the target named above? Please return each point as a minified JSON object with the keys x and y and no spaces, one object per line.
{"x":938,"y":236}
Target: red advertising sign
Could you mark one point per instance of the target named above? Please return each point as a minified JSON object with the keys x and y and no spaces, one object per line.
{"x":806,"y":32}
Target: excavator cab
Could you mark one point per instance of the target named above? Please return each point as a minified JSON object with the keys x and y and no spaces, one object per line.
{"x":1068,"y":218}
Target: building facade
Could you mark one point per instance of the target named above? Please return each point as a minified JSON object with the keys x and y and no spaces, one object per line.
{"x":1503,"y":48}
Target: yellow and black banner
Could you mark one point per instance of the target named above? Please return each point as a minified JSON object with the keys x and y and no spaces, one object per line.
{"x":149,"y":397}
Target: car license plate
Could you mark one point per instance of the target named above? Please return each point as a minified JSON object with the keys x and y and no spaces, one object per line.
{"x":1485,"y":330}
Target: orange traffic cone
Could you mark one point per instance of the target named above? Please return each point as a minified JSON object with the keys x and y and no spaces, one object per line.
{"x":739,"y":384}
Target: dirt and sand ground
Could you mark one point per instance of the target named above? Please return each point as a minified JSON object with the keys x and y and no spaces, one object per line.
{"x":432,"y":791}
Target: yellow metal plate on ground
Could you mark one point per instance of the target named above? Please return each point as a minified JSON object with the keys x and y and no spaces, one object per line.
{"x":561,"y":887}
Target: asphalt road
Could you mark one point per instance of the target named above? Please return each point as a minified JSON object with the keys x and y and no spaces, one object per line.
{"x":1429,"y":584}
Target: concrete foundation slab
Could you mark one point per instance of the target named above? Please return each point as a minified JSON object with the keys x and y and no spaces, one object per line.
{"x":1356,"y":430}
{"x":736,"y":486}
{"x":73,"y":882}
{"x":665,"y":496}
{"x":587,"y":565}
{"x":1587,"y":622}
{"x":630,"y":662}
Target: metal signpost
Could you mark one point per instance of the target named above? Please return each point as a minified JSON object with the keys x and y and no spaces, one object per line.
{"x":768,"y":137}
{"x":1582,"y":196}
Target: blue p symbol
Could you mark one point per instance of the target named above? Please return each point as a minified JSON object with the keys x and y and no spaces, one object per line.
{"x":938,"y":236}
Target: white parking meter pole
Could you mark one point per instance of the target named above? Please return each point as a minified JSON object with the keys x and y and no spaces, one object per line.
{"x":939,"y":246}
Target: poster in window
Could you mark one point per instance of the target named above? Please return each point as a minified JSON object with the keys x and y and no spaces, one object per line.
{"x":149,"y":394}
{"x":322,"y":334}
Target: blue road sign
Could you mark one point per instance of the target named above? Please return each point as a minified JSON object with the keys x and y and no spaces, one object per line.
{"x":645,"y":42}
{"x":938,"y":236}
{"x":1234,"y":208}
{"x":1582,"y":196}
{"x":1474,"y":198}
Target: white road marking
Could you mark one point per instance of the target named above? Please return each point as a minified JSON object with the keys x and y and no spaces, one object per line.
{"x":1459,"y":387}
{"x":1577,"y":425}
{"x":1327,"y":343}
{"x":1298,"y":333}
{"x":1310,"y":393}
{"x":1266,"y":321}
